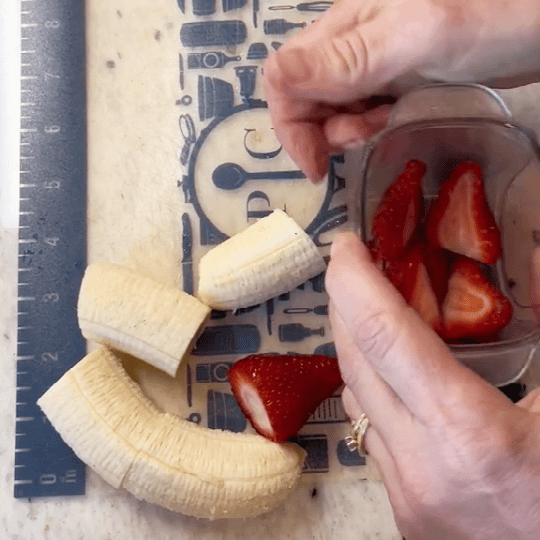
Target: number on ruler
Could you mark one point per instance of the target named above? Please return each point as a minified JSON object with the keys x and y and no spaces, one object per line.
{"x":70,"y":477}
{"x":52,"y":24}
{"x":48,"y":76}
{"x":50,"y":297}
{"x":54,"y":184}
{"x":52,"y":129}
{"x":47,"y":479}
{"x":50,"y":356}
{"x":52,"y":240}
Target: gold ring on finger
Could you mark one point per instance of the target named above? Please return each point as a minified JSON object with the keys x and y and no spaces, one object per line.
{"x":355,"y":441}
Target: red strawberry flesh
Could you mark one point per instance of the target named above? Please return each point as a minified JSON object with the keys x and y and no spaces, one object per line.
{"x":474,"y":309}
{"x":410,"y":277}
{"x":399,"y":211}
{"x":278,"y":393}
{"x":460,"y":219}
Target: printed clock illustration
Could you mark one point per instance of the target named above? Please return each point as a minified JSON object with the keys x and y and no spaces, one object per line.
{"x":238,"y":172}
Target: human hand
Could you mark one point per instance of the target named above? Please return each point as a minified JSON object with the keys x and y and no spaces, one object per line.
{"x":459,"y":460}
{"x":319,"y":83}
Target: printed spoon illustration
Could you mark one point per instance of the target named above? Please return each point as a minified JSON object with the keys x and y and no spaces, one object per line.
{"x":232,"y":176}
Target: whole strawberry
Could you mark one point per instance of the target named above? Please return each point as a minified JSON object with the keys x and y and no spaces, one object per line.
{"x":278,"y":393}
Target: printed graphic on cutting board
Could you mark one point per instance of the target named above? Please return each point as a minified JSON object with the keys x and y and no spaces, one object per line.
{"x":231,"y":171}
{"x":235,"y":172}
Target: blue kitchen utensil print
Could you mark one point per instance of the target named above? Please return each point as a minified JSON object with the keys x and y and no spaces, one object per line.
{"x":280,"y":27}
{"x":202,"y":8}
{"x":209,"y":60}
{"x":224,"y":413}
{"x":233,"y":176}
{"x":257,"y":51}
{"x":213,"y":33}
{"x":212,"y":372}
{"x":317,"y":310}
{"x":304,"y":6}
{"x":294,"y":332}
{"x":230,"y":5}
{"x":316,"y":447}
{"x":187,"y":254}
{"x":327,"y":349}
{"x":228,"y":339}
{"x":187,"y":130}
{"x":247,"y":76}
{"x":216,"y":97}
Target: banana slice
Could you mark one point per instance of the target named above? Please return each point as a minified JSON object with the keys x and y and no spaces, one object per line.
{"x":271,"y":257}
{"x":132,"y":313}
{"x":101,"y":413}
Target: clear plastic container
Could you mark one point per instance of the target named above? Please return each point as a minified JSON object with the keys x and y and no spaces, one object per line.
{"x":441,"y":125}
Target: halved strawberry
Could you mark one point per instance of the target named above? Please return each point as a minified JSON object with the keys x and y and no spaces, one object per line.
{"x":410,"y":276}
{"x":474,"y":309}
{"x":399,"y":211}
{"x":278,"y":393}
{"x":460,"y":220}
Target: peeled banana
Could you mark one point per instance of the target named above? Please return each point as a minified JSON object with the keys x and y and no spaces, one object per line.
{"x":125,"y":310}
{"x":271,"y":257}
{"x":102,"y":414}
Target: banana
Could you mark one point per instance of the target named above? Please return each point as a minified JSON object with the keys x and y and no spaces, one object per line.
{"x":271,"y":257}
{"x":130,"y":312}
{"x":103,"y":415}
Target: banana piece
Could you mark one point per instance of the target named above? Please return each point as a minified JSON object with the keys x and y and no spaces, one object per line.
{"x":271,"y":257}
{"x":102,"y":414}
{"x":130,"y":312}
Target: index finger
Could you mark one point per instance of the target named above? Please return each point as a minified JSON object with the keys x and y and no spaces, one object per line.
{"x":400,"y":347}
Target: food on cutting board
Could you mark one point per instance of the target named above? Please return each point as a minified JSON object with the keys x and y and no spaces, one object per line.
{"x":102,"y":414}
{"x":159,"y":457}
{"x":278,"y":393}
{"x":439,"y":263}
{"x":271,"y":257}
{"x":120,"y":308}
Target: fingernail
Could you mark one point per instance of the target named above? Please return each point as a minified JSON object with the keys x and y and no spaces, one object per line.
{"x":353,"y":144}
{"x":319,"y":180}
{"x":347,"y":228}
{"x":293,"y":65}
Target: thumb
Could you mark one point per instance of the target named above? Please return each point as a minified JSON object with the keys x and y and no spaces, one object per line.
{"x":390,"y":335}
{"x":343,"y":57}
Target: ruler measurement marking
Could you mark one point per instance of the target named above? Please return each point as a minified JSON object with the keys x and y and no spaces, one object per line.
{"x":53,"y":152}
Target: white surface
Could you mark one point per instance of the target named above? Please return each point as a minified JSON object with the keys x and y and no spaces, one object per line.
{"x":9,"y":110}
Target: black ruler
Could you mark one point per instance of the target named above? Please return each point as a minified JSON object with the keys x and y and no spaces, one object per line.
{"x":52,"y":235}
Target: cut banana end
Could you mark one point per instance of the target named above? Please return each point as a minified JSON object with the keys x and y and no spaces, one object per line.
{"x":101,"y":413}
{"x":132,"y":313}
{"x":271,"y":257}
